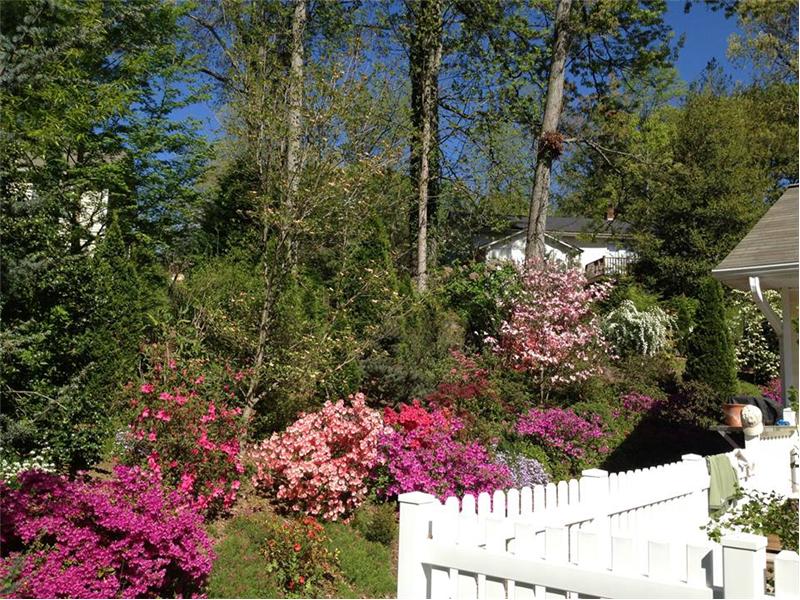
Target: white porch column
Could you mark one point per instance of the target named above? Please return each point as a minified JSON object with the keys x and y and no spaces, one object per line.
{"x":788,"y":342}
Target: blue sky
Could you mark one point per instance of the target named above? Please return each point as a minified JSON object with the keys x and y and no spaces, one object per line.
{"x":706,"y":37}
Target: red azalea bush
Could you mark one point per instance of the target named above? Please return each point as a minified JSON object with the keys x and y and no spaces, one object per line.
{"x":187,"y":432}
{"x":552,"y":333}
{"x":321,"y":463}
{"x":774,"y":391}
{"x":421,"y":452}
{"x":125,"y":537}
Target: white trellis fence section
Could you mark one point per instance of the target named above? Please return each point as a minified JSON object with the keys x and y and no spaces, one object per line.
{"x":626,"y":535}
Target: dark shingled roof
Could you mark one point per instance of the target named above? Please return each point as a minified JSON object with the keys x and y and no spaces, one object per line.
{"x":769,"y":250}
{"x":556,"y":225}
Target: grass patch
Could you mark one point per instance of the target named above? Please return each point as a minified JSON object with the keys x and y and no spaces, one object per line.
{"x":239,"y":569}
{"x":367,"y":569}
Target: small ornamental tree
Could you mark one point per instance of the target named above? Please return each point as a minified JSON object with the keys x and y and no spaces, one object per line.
{"x":552,"y":333}
{"x":125,"y":537}
{"x":710,"y":357}
{"x":321,"y":463}
{"x":186,"y":431}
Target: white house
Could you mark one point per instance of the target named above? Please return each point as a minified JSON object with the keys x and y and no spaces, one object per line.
{"x":599,"y":248}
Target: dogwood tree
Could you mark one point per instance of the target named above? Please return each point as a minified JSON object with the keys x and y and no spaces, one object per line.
{"x":552,"y":332}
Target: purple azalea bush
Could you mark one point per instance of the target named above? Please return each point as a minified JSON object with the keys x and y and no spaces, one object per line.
{"x":123,"y":537}
{"x":563,"y":431}
{"x":423,"y":454}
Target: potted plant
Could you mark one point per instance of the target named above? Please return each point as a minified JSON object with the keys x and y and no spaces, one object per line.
{"x":733,"y":413}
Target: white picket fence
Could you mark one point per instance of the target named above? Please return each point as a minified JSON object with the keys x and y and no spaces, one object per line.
{"x":626,"y":535}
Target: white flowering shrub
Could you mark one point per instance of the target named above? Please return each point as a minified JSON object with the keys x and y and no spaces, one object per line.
{"x":35,"y":461}
{"x":633,"y":331}
{"x":755,"y":344}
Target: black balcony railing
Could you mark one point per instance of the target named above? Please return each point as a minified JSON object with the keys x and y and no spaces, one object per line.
{"x":608,"y":266}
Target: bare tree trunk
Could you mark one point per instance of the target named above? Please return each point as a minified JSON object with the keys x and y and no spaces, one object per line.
{"x":426,"y":58}
{"x":295,"y":98}
{"x":275,"y":266}
{"x":549,"y":141}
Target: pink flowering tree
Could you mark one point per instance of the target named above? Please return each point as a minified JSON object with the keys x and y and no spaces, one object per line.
{"x":125,"y":537}
{"x":553,"y":333}
{"x":321,"y":464}
{"x":186,"y":430}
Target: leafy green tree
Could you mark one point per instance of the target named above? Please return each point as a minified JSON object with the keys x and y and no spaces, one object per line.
{"x":87,"y":91}
{"x":710,"y":357}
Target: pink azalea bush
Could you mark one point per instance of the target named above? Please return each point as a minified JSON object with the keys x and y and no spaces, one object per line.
{"x":552,"y":332}
{"x":421,"y":452}
{"x":559,"y":431}
{"x":124,"y":537}
{"x":187,"y":432}
{"x":638,"y":404}
{"x":321,"y":464}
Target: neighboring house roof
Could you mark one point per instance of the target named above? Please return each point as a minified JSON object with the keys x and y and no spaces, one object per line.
{"x":769,"y":250}
{"x":556,"y":226}
{"x":487,"y":241}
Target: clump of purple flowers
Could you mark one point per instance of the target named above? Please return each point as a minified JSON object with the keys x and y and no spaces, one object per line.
{"x":124,"y":537}
{"x":563,"y":430}
{"x":774,"y":391}
{"x":633,"y":402}
{"x":524,"y":471}
{"x":422,"y":453}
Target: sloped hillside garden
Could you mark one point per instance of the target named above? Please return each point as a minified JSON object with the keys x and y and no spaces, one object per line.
{"x":564,"y":376}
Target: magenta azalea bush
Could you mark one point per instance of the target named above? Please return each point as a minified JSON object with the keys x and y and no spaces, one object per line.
{"x":421,"y":452}
{"x":561,"y":431}
{"x":774,"y":391}
{"x":321,"y":464}
{"x":552,"y":332}
{"x":124,"y":537}
{"x":187,"y":432}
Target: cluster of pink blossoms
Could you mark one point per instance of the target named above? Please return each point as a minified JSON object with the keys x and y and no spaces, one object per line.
{"x":321,"y":464}
{"x":552,"y":332}
{"x":188,"y":434}
{"x":563,"y":430}
{"x":120,"y":538}
{"x":422,"y":453}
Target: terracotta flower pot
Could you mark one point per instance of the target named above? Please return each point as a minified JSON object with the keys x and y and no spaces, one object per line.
{"x":733,"y":414}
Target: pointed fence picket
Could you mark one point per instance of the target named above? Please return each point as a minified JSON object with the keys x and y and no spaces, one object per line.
{"x":631,"y":534}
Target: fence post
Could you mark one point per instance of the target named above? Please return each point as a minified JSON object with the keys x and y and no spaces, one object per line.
{"x":412,"y":575}
{"x":594,"y":492}
{"x":744,"y":557}
{"x":699,"y":497}
{"x":787,"y":575}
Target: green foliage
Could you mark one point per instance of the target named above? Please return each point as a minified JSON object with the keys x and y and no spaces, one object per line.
{"x":238,"y":571}
{"x":710,"y":357}
{"x":96,"y":191}
{"x":760,"y":513}
{"x":694,"y":404}
{"x":480,"y":294}
{"x":377,"y":523}
{"x":366,"y":568}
